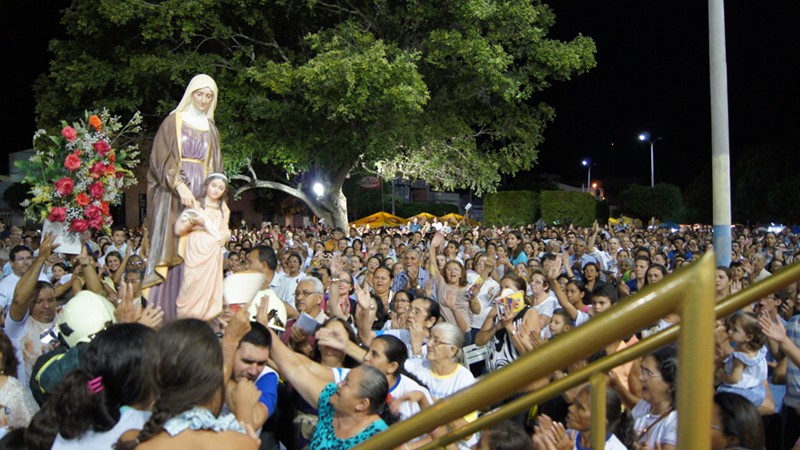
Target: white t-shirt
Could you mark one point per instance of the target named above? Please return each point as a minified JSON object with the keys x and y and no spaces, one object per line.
{"x":443,"y":386}
{"x":403,"y":386}
{"x":7,"y":287}
{"x":25,"y":335}
{"x":130,"y":419}
{"x":656,"y":429}
{"x":287,"y":286}
{"x":612,"y":443}
{"x":489,"y":289}
{"x":547,"y":306}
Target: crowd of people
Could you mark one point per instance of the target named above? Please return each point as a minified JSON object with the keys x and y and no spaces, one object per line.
{"x":351,"y":332}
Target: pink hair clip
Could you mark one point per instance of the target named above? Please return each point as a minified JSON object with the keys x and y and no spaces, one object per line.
{"x":96,"y":385}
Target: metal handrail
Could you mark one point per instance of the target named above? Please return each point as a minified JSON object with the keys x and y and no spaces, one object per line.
{"x":690,"y":291}
{"x":724,"y":308}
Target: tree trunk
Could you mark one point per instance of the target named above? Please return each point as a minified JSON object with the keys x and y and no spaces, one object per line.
{"x":330,"y":207}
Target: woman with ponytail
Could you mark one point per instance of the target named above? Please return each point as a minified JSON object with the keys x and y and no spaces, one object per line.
{"x":407,"y":394}
{"x":107,"y":396}
{"x":189,"y":380}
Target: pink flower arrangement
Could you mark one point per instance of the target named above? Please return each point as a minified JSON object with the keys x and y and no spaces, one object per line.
{"x":90,"y":172}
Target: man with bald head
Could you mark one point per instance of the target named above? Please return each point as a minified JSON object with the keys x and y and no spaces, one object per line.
{"x":414,"y":278}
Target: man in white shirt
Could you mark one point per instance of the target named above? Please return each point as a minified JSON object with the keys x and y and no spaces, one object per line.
{"x":20,"y":259}
{"x":288,"y":283}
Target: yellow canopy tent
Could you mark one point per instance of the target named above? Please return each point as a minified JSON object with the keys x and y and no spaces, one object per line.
{"x":454,"y":218}
{"x":423,"y":216}
{"x":380,"y":219}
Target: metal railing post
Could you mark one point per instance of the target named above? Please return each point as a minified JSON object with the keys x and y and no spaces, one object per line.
{"x":599,"y":382}
{"x":696,"y":346}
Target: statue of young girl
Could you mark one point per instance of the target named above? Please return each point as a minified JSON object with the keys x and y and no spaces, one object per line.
{"x":206,"y":230}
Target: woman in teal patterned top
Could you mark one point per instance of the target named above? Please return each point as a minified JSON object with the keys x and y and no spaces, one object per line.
{"x":349,"y":412}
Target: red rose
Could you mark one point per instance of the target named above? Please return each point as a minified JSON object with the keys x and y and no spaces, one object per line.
{"x":69,"y":133}
{"x":104,"y":207}
{"x":96,"y":224}
{"x":120,"y":174}
{"x":102,"y":147}
{"x":65,"y":186}
{"x":72,"y":162}
{"x":58,"y":214}
{"x":93,"y":212}
{"x":79,"y":225}
{"x":96,"y":190}
{"x":98,"y":169}
{"x":82,"y":199}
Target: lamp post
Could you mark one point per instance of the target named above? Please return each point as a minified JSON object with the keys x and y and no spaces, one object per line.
{"x":588,"y":164}
{"x":645,"y":137}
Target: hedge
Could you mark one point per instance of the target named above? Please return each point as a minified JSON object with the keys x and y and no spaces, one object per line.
{"x":512,"y":208}
{"x":564,"y":208}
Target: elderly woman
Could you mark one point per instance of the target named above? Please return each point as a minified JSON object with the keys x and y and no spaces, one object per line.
{"x":185,"y":150}
{"x":442,"y":371}
{"x":655,"y":421}
{"x":349,"y":412}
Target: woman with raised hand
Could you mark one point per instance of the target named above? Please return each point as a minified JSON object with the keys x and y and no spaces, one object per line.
{"x":451,"y":290}
{"x":349,"y":411}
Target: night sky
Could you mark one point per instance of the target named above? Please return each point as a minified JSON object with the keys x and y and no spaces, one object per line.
{"x":651,"y":75}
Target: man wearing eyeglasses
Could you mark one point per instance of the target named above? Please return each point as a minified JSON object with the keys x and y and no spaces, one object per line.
{"x":20,"y":259}
{"x":309,"y":295}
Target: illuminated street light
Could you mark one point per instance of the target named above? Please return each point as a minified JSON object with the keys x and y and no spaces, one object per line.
{"x":645,"y":137}
{"x":588,"y":164}
{"x":318,"y":189}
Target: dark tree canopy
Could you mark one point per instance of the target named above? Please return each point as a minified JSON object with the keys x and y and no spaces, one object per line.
{"x":441,"y":91}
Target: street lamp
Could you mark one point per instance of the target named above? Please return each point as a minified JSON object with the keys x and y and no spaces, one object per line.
{"x":646,"y":137}
{"x":588,"y":164}
{"x":318,"y":189}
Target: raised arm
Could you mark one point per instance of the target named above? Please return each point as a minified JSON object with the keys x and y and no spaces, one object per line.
{"x":24,"y":292}
{"x":779,"y":343}
{"x":436,"y":242}
{"x":563,"y":301}
{"x":292,"y":367}
{"x":118,"y":275}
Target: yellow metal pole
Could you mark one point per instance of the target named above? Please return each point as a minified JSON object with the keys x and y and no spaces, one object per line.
{"x":696,"y":372}
{"x":599,"y":384}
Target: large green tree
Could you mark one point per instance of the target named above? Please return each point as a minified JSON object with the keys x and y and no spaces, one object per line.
{"x":441,"y":91}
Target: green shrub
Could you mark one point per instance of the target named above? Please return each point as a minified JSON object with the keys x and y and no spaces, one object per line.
{"x":512,"y":208}
{"x":565,"y":208}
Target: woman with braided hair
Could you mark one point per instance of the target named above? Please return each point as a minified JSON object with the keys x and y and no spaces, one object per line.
{"x":189,"y":382}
